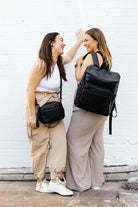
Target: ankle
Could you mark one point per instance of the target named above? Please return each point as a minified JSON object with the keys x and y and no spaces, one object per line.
{"x":55,"y":180}
{"x":40,"y":181}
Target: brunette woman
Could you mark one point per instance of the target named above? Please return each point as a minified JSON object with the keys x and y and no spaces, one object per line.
{"x":44,"y":85}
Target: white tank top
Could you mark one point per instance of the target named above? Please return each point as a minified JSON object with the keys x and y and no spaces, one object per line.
{"x":51,"y":84}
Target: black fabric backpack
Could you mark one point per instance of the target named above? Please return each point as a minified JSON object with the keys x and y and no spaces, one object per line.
{"x":98,"y":89}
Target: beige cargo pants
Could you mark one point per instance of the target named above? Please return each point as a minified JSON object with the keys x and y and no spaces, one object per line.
{"x":43,"y":140}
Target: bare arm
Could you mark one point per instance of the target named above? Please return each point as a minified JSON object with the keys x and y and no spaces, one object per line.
{"x":71,"y":53}
{"x":36,"y":74}
{"x":82,"y":65}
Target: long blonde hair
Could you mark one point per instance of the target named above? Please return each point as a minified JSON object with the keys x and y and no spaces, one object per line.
{"x":102,"y":46}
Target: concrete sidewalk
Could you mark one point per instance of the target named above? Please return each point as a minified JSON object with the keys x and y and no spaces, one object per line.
{"x":22,"y":194}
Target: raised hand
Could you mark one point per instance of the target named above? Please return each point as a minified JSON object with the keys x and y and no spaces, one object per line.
{"x":79,"y":35}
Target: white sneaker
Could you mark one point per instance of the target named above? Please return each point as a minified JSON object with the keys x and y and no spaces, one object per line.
{"x":59,"y":188}
{"x":96,"y":187}
{"x":43,"y":187}
{"x":63,"y":182}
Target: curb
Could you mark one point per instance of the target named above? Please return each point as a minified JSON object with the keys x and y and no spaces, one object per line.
{"x":111,"y":173}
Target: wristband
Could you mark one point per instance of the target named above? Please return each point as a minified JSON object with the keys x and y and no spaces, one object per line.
{"x":75,"y":65}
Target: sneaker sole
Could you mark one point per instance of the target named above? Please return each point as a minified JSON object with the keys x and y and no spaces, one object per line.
{"x":60,"y":193}
{"x":96,"y":188}
{"x":41,"y":191}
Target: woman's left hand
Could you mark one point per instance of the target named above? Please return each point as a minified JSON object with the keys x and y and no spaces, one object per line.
{"x":79,"y":35}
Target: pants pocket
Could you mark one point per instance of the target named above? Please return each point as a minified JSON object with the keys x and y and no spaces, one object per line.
{"x":31,"y":132}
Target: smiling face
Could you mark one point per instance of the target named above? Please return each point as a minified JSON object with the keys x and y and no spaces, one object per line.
{"x":90,"y":43}
{"x":58,"y":45}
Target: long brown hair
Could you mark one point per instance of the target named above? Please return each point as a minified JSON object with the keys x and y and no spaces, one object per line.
{"x":45,"y":53}
{"x":102,"y":45}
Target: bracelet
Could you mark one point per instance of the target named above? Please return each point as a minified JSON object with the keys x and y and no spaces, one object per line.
{"x":75,"y":65}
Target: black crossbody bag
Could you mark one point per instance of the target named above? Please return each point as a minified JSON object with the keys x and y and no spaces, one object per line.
{"x":51,"y":111}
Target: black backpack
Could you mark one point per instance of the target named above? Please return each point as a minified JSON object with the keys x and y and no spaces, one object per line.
{"x":97,"y":90}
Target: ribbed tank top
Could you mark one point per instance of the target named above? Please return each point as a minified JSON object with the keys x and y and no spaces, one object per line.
{"x":51,"y":84}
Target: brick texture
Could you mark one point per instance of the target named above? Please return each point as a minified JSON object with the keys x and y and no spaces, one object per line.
{"x":23,"y":25}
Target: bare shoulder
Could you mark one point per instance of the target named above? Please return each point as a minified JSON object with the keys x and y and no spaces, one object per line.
{"x":88,"y":59}
{"x":39,"y":66}
{"x":100,"y":59}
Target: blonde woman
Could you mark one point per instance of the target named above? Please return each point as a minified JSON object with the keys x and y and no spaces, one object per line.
{"x":85,"y":157}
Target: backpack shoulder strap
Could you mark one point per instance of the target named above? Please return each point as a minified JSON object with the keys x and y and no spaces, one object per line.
{"x":111,"y":116}
{"x":95,"y":59}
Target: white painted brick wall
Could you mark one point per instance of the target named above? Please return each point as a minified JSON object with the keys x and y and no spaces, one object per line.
{"x":23,"y":25}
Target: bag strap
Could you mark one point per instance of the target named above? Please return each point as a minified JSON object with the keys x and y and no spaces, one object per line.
{"x":100,"y":54}
{"x":105,"y":64}
{"x":95,"y":59}
{"x":36,"y":104}
{"x":60,"y":91}
{"x":111,"y":116}
{"x":60,"y":101}
{"x":60,"y":88}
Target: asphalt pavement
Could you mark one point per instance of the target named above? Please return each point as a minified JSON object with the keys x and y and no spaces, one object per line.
{"x":22,"y":194}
